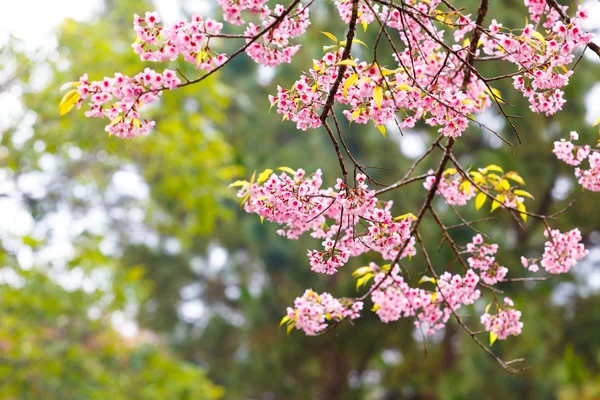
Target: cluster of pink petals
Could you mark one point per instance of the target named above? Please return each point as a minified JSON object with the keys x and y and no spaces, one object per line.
{"x":574,"y":155}
{"x":543,"y":61}
{"x":482,"y":258}
{"x":590,"y":178}
{"x":569,"y":153}
{"x":562,"y":251}
{"x":365,"y":15}
{"x":157,"y":43}
{"x":450,"y":188}
{"x":299,"y":204}
{"x":533,"y":267}
{"x":507,"y":322}
{"x":120,"y":98}
{"x":447,"y":109}
{"x":313,"y":311}
{"x":232,"y":9}
{"x":274,"y":47}
{"x":395,"y":299}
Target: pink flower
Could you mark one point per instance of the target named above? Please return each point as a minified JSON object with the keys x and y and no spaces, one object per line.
{"x":562,"y":251}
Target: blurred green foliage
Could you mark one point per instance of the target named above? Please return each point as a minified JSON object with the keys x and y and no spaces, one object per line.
{"x":237,"y":272}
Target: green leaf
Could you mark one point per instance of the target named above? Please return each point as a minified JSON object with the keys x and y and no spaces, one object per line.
{"x":493,"y":338}
{"x":330,"y":36}
{"x":521,"y":207}
{"x":426,"y":278}
{"x":349,"y":62}
{"x":523,"y":193}
{"x":480,"y":200}
{"x":349,"y":82}
{"x":378,"y":95}
{"x":491,"y":167}
{"x":68,"y":101}
{"x":287,"y":169}
{"x":263,"y":176}
{"x":238,"y":183}
{"x":512,"y":175}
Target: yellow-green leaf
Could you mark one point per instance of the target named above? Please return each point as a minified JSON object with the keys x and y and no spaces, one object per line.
{"x":263,"y":176}
{"x":466,"y":186}
{"x":434,"y":296}
{"x":284,"y":320}
{"x":349,"y":62}
{"x":450,"y":171}
{"x":539,"y":37}
{"x":68,"y":85}
{"x":521,"y":207}
{"x":504,"y":184}
{"x":512,"y":175}
{"x":68,"y":101}
{"x":375,"y":307}
{"x":493,"y":338}
{"x":238,"y":183}
{"x":487,"y":308}
{"x":330,"y":36}
{"x":480,"y":200}
{"x":287,"y":169}
{"x":116,"y":120}
{"x":378,"y":95}
{"x":596,"y":122}
{"x":349,"y":82}
{"x":289,"y":328}
{"x":426,"y":278}
{"x":405,"y":216}
{"x":361,"y":271}
{"x":497,"y":202}
{"x":491,"y":167}
{"x":523,"y":193}
{"x":382,"y":129}
{"x":355,"y":40}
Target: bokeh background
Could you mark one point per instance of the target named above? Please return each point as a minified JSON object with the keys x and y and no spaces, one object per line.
{"x":128,"y":271}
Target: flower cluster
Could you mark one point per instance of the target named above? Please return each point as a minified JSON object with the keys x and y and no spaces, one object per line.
{"x":562,"y":251}
{"x":274,"y":48}
{"x":394,"y":298}
{"x":232,"y":9}
{"x":120,"y":99}
{"x":156,"y":42}
{"x":455,"y":190}
{"x":569,"y":153}
{"x":482,"y":258}
{"x":543,"y":58}
{"x":299,"y":204}
{"x":191,"y":39}
{"x":590,"y":178}
{"x":313,"y":311}
{"x":365,"y":15}
{"x":533,"y":267}
{"x":574,"y":155}
{"x":507,"y":322}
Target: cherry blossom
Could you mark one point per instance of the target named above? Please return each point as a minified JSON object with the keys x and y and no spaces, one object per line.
{"x":507,"y":322}
{"x":312,"y":312}
{"x":562,"y":251}
{"x":482,"y":258}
